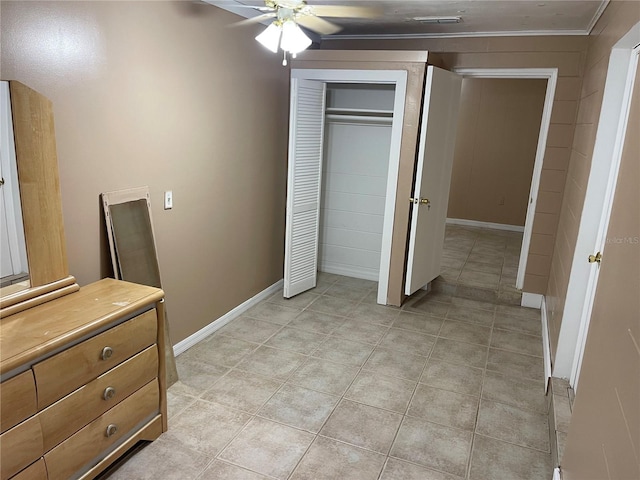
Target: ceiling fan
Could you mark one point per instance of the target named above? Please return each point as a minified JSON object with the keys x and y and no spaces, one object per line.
{"x":289,"y":15}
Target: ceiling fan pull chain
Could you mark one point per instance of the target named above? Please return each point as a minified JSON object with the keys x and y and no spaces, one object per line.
{"x":284,"y":58}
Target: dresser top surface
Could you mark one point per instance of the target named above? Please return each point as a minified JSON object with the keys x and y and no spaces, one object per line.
{"x":28,"y":335}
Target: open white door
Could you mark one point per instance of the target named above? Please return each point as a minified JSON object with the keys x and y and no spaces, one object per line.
{"x":623,"y":148}
{"x":306,"y":127}
{"x":433,"y":177}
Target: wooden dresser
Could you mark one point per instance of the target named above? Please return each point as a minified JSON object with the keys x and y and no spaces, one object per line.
{"x":83,"y":380}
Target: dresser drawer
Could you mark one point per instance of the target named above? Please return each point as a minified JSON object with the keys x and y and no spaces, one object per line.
{"x":114,"y":425}
{"x":67,"y":416}
{"x":17,"y":400}
{"x":36,"y":471}
{"x":66,"y":371}
{"x":21,"y":446}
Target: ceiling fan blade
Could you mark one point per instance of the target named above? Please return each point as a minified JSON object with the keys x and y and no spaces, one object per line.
{"x":260,"y":9}
{"x":346,"y":12}
{"x":317,"y":24}
{"x":233,"y":4}
{"x":253,"y":20}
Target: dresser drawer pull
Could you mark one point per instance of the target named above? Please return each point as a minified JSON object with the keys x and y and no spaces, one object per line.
{"x":109,"y":393}
{"x":106,"y":353}
{"x":111,"y":430}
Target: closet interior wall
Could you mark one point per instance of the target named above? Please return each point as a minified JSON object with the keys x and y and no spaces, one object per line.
{"x":357,"y":139}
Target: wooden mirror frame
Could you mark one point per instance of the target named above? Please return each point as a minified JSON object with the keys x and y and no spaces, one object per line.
{"x":39,"y":185}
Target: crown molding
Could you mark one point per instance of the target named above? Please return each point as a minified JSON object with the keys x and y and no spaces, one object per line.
{"x":248,"y":12}
{"x":516,"y":33}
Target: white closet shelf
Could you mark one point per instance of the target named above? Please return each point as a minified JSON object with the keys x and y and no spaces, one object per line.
{"x":361,"y":112}
{"x":359,"y":116}
{"x":358,"y":120}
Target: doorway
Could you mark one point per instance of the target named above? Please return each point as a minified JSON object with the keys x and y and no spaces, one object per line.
{"x":318,"y":80}
{"x":551,"y":76}
{"x":498,"y":129}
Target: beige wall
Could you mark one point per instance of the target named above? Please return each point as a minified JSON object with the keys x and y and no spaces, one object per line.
{"x":616,"y":20}
{"x":567,"y":54}
{"x":604,"y":434}
{"x":498,"y":130}
{"x":161,"y":94}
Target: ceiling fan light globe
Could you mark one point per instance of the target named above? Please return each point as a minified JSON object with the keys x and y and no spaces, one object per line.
{"x":294,"y":40}
{"x":270,"y":37}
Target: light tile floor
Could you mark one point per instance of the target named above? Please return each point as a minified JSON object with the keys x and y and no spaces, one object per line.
{"x":484,"y":258}
{"x":329,"y":385}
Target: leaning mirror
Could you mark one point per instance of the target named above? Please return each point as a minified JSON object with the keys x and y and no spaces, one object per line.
{"x":14,"y":269}
{"x":33,"y":244}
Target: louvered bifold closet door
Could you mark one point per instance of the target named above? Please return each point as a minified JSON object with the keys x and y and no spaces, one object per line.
{"x":303,"y":186}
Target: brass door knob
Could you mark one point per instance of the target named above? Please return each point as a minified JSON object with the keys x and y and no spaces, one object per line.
{"x":111,"y":430}
{"x":421,"y":201}
{"x":595,"y":258}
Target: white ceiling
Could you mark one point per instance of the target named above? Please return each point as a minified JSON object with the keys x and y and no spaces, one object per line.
{"x":478,"y":17}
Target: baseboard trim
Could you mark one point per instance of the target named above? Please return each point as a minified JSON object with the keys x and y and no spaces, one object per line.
{"x":531,"y":300}
{"x":475,"y":223}
{"x":546,"y":349}
{"x":203,"y":333}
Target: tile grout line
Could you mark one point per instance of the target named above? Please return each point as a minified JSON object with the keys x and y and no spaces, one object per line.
{"x":340,"y":399}
{"x":484,"y":375}
{"x":406,"y":411}
{"x":343,"y":397}
{"x":255,"y":414}
{"x":387,"y":329}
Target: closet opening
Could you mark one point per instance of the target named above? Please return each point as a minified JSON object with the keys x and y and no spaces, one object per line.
{"x":355,"y":172}
{"x":340,"y":213}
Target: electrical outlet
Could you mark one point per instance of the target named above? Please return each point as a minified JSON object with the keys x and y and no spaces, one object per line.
{"x":501,"y":200}
{"x":168,"y":200}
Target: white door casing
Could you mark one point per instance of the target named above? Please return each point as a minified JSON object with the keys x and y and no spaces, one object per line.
{"x":433,"y":177}
{"x":398,"y":78}
{"x":306,"y":124}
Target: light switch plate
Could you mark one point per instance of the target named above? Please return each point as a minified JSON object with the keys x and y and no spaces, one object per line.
{"x":168,"y":200}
